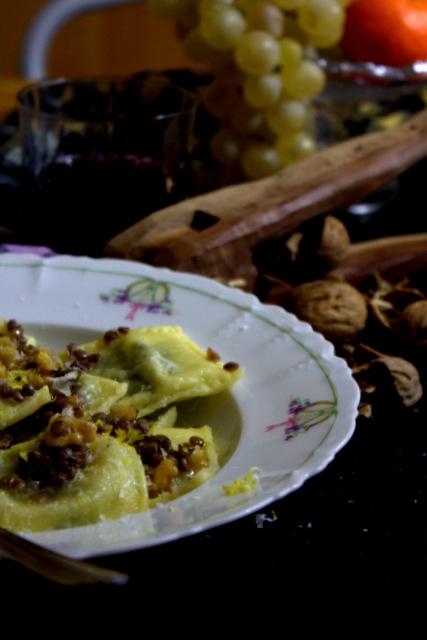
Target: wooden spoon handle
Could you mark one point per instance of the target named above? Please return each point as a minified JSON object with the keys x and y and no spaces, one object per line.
{"x":242,"y":215}
{"x":392,"y":256}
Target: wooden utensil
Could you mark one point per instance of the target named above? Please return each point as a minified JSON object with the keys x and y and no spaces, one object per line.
{"x":54,"y":566}
{"x":391,"y":256}
{"x":213,"y":234}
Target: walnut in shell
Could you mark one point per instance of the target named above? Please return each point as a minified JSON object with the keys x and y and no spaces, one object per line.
{"x":414,"y":321}
{"x":334,"y":242}
{"x":334,"y":308}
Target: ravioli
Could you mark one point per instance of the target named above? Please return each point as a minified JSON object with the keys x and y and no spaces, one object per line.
{"x":113,"y":484}
{"x":13,"y":413}
{"x":100,"y":394}
{"x":180,"y":436}
{"x":91,"y":434}
{"x":161,"y":366}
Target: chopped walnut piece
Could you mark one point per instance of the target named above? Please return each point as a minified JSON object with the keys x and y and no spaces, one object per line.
{"x":198,"y":459}
{"x":123,"y":412}
{"x":8,"y":351}
{"x":212,"y":355}
{"x":164,"y":474}
{"x":67,"y":430}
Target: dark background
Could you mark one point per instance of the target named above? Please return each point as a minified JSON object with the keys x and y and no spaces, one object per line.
{"x":353,"y":536}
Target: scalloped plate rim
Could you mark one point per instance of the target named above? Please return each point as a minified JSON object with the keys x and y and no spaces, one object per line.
{"x":342,"y":429}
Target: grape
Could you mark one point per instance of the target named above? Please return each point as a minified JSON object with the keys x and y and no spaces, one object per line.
{"x":260,"y":53}
{"x":205,"y":5}
{"x":244,"y":5}
{"x":264,"y":16}
{"x":294,"y":147}
{"x":260,"y":160}
{"x":294,"y":31}
{"x":287,"y":116}
{"x":222,"y":27}
{"x":245,"y":120}
{"x":289,"y":5}
{"x":257,"y":52}
{"x":263,"y":91}
{"x":219,"y":98}
{"x":319,"y":17}
{"x":330,"y":40}
{"x":196,"y":47}
{"x":290,"y":52}
{"x":305,"y":81}
{"x":225,"y":147}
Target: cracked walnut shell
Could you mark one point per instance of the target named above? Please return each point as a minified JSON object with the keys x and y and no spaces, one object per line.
{"x":404,"y":376}
{"x":334,"y":308}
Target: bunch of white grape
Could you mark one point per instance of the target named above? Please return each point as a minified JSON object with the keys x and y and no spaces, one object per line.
{"x":265,"y":74}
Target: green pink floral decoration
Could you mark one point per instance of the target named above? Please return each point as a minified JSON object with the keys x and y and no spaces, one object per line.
{"x":147,"y":295}
{"x":303,"y":415}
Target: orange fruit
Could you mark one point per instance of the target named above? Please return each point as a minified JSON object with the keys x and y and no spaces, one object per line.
{"x":391,"y":32}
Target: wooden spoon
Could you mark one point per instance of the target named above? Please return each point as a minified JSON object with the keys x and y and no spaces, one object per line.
{"x":54,"y":566}
{"x":391,"y":256}
{"x":213,"y":234}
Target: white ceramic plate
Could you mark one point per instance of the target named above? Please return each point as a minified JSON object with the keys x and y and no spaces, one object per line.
{"x":293,"y":410}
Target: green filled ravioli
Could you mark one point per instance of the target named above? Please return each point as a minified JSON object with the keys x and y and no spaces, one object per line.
{"x":90,"y":434}
{"x":46,"y":487}
{"x":161,"y":366}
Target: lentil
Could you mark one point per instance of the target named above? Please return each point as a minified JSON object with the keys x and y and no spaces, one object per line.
{"x":12,"y":482}
{"x":123,"y":330}
{"x":13,"y":325}
{"x":195,"y":441}
{"x":163,"y":442}
{"x":111,"y":335}
{"x":80,"y":359}
{"x":142,"y":425}
{"x":28,"y":390}
{"x":231,"y":366}
{"x":6,"y":441}
{"x":149,"y":452}
{"x":52,"y":466}
{"x":60,"y":428}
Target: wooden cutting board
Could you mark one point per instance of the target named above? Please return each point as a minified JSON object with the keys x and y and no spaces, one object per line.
{"x":214,"y":234}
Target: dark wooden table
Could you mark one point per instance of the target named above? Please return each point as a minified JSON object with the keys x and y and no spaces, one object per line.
{"x":352,"y":534}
